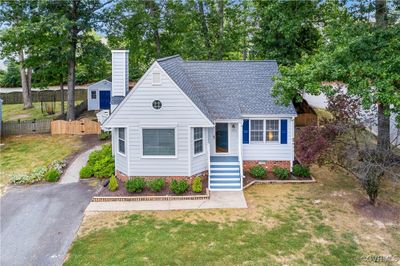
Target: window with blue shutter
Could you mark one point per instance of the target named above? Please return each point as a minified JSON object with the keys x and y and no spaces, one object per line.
{"x":284,"y":131}
{"x":246,"y":131}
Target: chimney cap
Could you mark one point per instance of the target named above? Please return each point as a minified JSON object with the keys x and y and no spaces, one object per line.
{"x":120,"y":51}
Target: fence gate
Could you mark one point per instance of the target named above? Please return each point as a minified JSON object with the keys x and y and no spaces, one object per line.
{"x":77,"y":127}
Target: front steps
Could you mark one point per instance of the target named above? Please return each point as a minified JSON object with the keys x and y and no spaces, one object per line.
{"x":225,"y":173}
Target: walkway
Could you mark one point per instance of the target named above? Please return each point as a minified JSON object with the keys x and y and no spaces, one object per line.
{"x":218,"y":200}
{"x":71,"y":175}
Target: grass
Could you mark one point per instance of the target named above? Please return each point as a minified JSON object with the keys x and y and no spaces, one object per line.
{"x":284,"y":225}
{"x":20,"y":154}
{"x":13,"y":112}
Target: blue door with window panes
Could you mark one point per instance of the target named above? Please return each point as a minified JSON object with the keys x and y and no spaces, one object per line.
{"x":105,"y":99}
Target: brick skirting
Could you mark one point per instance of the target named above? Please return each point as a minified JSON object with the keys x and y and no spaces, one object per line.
{"x":269,"y":165}
{"x":124,"y":178}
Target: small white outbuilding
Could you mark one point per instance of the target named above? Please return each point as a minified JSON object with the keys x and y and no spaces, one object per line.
{"x":99,"y":95}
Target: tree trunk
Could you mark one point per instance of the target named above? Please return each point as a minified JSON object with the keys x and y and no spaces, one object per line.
{"x":221,"y":12}
{"x":204,"y":29}
{"x":25,"y":82}
{"x":72,"y":62}
{"x":383,"y":120}
{"x":62,"y":93}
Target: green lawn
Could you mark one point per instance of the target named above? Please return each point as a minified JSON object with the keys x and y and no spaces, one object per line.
{"x":13,"y":112}
{"x":284,"y":224}
{"x":20,"y":154}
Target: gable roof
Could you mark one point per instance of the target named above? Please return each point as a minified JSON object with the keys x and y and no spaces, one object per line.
{"x":227,"y":89}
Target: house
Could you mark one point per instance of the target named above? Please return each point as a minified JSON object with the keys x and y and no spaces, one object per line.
{"x":99,"y":95}
{"x":189,"y":118}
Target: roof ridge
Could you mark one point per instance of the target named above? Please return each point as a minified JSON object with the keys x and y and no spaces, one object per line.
{"x":227,"y":61}
{"x":167,"y":58}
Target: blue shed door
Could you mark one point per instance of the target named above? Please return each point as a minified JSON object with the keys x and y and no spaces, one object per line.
{"x":105,"y":99}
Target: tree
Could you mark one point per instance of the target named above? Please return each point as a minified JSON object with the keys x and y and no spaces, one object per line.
{"x":357,"y":52}
{"x":11,"y":77}
{"x":16,"y":18}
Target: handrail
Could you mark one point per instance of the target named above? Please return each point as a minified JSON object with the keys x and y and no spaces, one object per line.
{"x":240,"y":154}
{"x":209,"y":163}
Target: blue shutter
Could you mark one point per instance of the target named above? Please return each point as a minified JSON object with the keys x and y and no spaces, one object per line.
{"x":246,"y":131}
{"x":283,"y":131}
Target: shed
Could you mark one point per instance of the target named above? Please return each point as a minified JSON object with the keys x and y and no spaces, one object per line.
{"x":99,"y":95}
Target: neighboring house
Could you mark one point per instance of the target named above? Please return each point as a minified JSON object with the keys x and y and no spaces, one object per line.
{"x":188,"y":118}
{"x":99,"y":95}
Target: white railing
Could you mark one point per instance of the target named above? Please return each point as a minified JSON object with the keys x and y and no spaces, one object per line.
{"x":240,"y":153}
{"x":209,"y":163}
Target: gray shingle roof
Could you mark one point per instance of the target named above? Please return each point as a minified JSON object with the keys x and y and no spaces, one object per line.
{"x":227,"y":89}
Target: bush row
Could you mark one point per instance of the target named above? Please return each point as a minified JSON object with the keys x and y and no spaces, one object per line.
{"x":138,"y":184}
{"x":281,"y":173}
{"x":51,"y":173}
{"x":100,"y":164}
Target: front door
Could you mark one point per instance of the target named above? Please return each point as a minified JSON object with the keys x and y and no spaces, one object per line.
{"x":221,"y":138}
{"x":105,"y":99}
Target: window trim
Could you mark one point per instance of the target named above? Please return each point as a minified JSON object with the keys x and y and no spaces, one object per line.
{"x":91,"y":95}
{"x":202,"y":143}
{"x":124,"y":140}
{"x":158,"y":156}
{"x":265,"y":141}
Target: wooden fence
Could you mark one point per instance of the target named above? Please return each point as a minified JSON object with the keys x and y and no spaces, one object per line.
{"x":26,"y":127}
{"x":303,"y":120}
{"x":77,"y":127}
{"x":42,"y":96}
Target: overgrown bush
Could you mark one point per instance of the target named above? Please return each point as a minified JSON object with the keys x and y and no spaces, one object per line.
{"x":52,"y":175}
{"x":258,"y":171}
{"x":197,"y":186}
{"x":156,"y":185}
{"x":86,"y":172}
{"x":58,"y":165}
{"x":20,"y":179}
{"x":105,"y":135}
{"x":281,"y":173}
{"x":301,"y":170}
{"x":36,"y":175}
{"x":179,"y":187}
{"x":135,"y":185}
{"x":101,"y":162}
{"x":113,"y":184}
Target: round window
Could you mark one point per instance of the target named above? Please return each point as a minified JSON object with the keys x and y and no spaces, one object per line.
{"x":157,"y":104}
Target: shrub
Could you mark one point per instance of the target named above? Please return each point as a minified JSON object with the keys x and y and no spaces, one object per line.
{"x":86,"y":172}
{"x":179,"y":187}
{"x":20,"y":179}
{"x":36,"y":175}
{"x":113,"y":184}
{"x":135,"y":185}
{"x":156,"y":185}
{"x":104,"y":168}
{"x":197,"y":186}
{"x":52,"y":175}
{"x":258,"y":171}
{"x":105,"y":135}
{"x":281,"y":173}
{"x":106,"y":151}
{"x":58,"y":165}
{"x":301,"y":170}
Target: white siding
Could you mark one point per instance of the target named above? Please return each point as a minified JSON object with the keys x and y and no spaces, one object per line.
{"x":119,"y":73}
{"x":121,"y":161}
{"x":199,"y":162}
{"x":268,"y":151}
{"x":103,"y":85}
{"x":177,"y":111}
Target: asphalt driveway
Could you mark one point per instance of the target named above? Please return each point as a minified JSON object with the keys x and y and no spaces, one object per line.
{"x":39,"y":223}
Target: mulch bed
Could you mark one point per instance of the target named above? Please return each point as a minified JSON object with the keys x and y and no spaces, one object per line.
{"x":122,"y":192}
{"x":270,"y":176}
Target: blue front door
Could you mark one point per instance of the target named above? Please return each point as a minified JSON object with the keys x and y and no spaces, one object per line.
{"x":105,"y":99}
{"x":221,"y":138}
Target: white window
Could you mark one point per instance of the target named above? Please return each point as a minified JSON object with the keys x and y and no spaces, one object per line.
{"x":198,"y":140}
{"x":93,"y":95}
{"x":264,"y":131}
{"x":156,"y":76}
{"x":272,"y":130}
{"x":159,"y":142}
{"x":257,"y":130}
{"x":121,"y":140}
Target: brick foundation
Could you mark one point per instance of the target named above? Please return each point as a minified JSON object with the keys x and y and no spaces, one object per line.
{"x":124,"y":178}
{"x":269,"y":165}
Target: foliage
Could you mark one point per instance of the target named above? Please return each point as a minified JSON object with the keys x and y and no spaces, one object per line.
{"x":52,"y":175}
{"x":258,"y":171}
{"x":301,"y":170}
{"x":135,"y":185}
{"x":113,"y":184}
{"x":36,"y":175}
{"x":102,"y":162}
{"x":59,"y":165}
{"x":179,"y":186}
{"x":86,"y":172}
{"x":105,"y":135}
{"x":156,"y":185}
{"x":11,"y":77}
{"x":281,"y":173}
{"x":197,"y":186}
